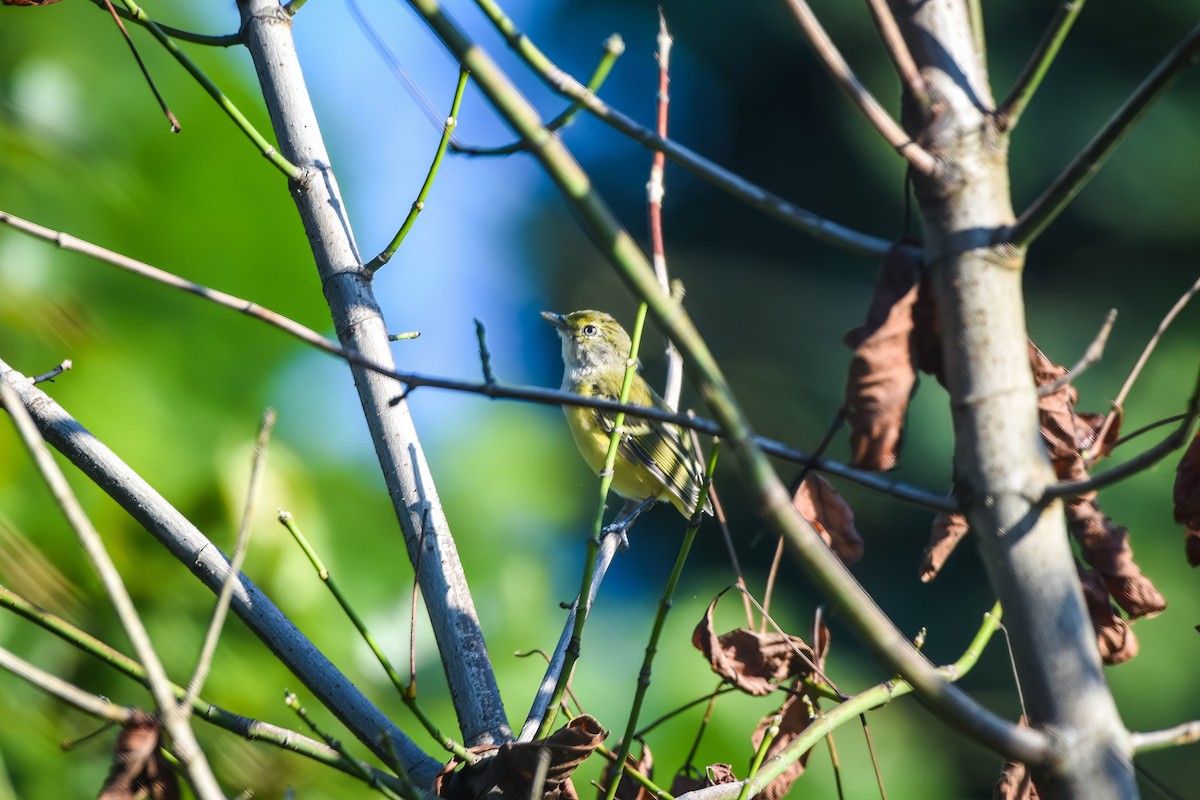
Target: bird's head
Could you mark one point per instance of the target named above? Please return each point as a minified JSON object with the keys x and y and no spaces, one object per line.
{"x":592,"y":340}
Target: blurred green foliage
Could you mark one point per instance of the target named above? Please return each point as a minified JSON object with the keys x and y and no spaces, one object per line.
{"x":176,"y":386}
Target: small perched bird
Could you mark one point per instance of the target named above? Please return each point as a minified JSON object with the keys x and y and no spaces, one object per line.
{"x":655,"y":461}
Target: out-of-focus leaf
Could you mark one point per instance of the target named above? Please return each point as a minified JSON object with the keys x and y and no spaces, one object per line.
{"x":882,"y":375}
{"x":1105,"y":545}
{"x":1187,"y":498}
{"x":944,"y":536}
{"x":139,"y":770}
{"x":830,"y":515}
{"x":1114,"y":637}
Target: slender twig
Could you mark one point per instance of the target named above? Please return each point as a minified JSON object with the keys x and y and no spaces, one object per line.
{"x":266,"y":148}
{"x":196,"y":767}
{"x":250,"y":729}
{"x":401,"y":337}
{"x":485,"y":355}
{"x":919,"y":158}
{"x":1093,"y":353}
{"x":1186,"y":733}
{"x":1178,"y":438}
{"x":212,"y":40}
{"x":655,"y":191}
{"x":1055,"y":198}
{"x":897,"y":48}
{"x":213,"y":636}
{"x":406,"y":694}
{"x":293,"y":702}
{"x":197,"y":553}
{"x":292,"y":7}
{"x":1125,"y":439}
{"x":418,"y":205}
{"x":660,"y":621}
{"x":722,"y":688}
{"x":162,"y":103}
{"x":413,"y":380}
{"x":1119,"y":402}
{"x":51,"y":684}
{"x":768,"y":739}
{"x":54,"y":373}
{"x":770,"y":204}
{"x":614,"y":46}
{"x":1031,"y":76}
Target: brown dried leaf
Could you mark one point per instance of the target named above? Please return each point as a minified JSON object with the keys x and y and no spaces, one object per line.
{"x":1057,"y":414}
{"x":714,"y":774}
{"x":830,"y":515}
{"x":27,"y":2}
{"x":1105,"y":545}
{"x":1191,"y":546}
{"x":1015,"y":783}
{"x":753,"y":662}
{"x":794,"y":718}
{"x":516,"y":763}
{"x":1187,"y":497}
{"x":927,"y":333}
{"x":628,"y":788}
{"x":139,"y":771}
{"x":882,"y":375}
{"x":947,"y":531}
{"x":1114,"y":637}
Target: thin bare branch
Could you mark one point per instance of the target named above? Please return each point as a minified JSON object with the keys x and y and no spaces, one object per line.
{"x":51,"y":684}
{"x":1167,"y":319}
{"x":921,"y":160}
{"x":1054,"y":199}
{"x":1093,"y":353}
{"x":413,"y":380}
{"x":1030,"y":79}
{"x":770,"y":204}
{"x":184,"y":743}
{"x":212,"y":40}
{"x":655,"y":192}
{"x":204,"y":662}
{"x":1186,"y":733}
{"x":205,"y":560}
{"x":897,"y":48}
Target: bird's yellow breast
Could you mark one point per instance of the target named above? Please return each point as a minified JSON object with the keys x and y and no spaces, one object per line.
{"x":631,"y":480}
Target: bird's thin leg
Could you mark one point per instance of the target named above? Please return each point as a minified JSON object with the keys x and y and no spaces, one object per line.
{"x":625,"y":519}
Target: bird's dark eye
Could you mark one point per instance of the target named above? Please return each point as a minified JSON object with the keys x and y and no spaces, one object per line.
{"x":589,"y":330}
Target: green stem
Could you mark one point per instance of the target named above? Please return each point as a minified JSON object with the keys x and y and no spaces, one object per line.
{"x":660,"y":620}
{"x":407,"y":696}
{"x":1030,"y":79}
{"x":266,"y":148}
{"x":614,"y":46}
{"x":769,"y":735}
{"x":1046,"y":208}
{"x":211,"y":40}
{"x":419,"y":204}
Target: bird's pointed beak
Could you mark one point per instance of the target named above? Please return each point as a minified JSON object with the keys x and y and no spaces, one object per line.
{"x":557,"y":320}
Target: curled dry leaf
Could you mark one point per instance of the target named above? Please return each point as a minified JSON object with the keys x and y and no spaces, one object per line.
{"x":139,"y":770}
{"x":1187,"y":498}
{"x":1056,"y":412}
{"x":947,"y":531}
{"x":27,"y":2}
{"x":628,"y":788}
{"x":753,"y":662}
{"x":1015,"y":783}
{"x":830,"y":515}
{"x":1105,"y":545}
{"x":882,"y":374}
{"x":1114,"y":638}
{"x":690,"y":780}
{"x":793,"y":717}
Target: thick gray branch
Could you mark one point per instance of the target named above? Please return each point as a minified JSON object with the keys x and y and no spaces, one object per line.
{"x":193,"y":549}
{"x":360,"y":327}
